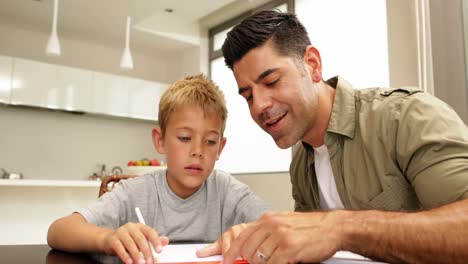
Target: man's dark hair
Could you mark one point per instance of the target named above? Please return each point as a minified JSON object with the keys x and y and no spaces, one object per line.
{"x":289,"y":36}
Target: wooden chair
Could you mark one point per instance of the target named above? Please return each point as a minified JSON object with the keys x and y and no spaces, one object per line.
{"x":109,"y":182}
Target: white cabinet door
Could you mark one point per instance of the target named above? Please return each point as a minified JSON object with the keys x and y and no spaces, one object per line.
{"x":74,"y":87}
{"x":123,"y":96}
{"x":144,"y":98}
{"x":50,"y":86}
{"x":109,"y":95}
{"x":6,"y":64}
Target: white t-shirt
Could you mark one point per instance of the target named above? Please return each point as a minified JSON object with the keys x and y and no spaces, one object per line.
{"x":329,"y":197}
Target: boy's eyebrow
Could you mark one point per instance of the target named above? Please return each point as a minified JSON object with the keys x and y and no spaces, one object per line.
{"x":260,"y":77}
{"x":214,"y":131}
{"x":191,"y":129}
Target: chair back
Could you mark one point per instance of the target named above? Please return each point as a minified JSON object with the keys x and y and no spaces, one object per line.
{"x":110,"y":181}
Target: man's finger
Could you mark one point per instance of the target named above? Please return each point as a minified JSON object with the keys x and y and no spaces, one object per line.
{"x":234,"y":250}
{"x":213,"y":249}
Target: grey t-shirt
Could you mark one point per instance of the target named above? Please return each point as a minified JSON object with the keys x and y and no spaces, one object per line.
{"x":222,"y":201}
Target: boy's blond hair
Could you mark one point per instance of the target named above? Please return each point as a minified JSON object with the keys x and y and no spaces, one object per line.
{"x":192,"y":91}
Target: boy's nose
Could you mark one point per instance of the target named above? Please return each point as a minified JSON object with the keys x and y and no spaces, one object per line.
{"x":196,"y":154}
{"x":196,"y":150}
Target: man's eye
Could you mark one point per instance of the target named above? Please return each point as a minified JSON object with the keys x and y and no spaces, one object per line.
{"x":184,"y":139}
{"x":271,"y":84}
{"x":249,"y":97}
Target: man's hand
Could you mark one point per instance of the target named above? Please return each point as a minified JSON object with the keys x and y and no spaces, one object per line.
{"x":287,"y":237}
{"x":132,"y":238}
{"x":223,"y":243}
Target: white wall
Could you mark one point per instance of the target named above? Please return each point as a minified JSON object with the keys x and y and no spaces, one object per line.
{"x":448,"y":51}
{"x":46,"y":144}
{"x":85,"y":54}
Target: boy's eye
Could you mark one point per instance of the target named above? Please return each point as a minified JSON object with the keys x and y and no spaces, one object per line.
{"x":184,"y":139}
{"x":211,"y":142}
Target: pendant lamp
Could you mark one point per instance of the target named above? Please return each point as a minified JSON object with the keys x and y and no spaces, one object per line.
{"x":126,"y":61}
{"x":53,"y":45}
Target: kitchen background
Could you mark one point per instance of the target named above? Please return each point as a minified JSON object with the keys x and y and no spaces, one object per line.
{"x":56,"y":150}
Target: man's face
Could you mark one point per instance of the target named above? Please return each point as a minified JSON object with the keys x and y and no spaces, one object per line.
{"x":280,"y":93}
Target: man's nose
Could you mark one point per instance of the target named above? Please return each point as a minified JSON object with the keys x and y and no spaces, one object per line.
{"x":261,"y":101}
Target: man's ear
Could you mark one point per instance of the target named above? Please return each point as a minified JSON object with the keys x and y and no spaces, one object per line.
{"x":158,"y":140}
{"x":221,"y":147}
{"x":314,"y":61}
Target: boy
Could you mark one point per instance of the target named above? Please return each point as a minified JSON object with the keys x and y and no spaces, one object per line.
{"x":187,"y":202}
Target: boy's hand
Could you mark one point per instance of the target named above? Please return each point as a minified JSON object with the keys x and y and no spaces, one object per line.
{"x":130,"y":239}
{"x":223,"y":243}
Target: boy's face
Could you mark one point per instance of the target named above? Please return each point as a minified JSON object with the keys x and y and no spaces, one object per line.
{"x":192,"y":144}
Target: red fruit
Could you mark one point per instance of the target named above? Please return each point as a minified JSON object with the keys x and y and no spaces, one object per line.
{"x":155,"y":162}
{"x":130,"y":163}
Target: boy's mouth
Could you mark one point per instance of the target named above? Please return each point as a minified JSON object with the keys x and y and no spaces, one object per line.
{"x":194,"y":168}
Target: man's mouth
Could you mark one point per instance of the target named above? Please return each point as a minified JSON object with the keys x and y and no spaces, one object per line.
{"x":275,"y":121}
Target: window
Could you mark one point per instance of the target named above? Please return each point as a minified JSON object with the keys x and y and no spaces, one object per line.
{"x":248,"y":148}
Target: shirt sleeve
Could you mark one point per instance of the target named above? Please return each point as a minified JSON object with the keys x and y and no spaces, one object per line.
{"x":109,"y":210}
{"x":432,"y":150}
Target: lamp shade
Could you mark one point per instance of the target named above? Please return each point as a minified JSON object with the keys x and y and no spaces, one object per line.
{"x":53,"y":45}
{"x":126,"y":61}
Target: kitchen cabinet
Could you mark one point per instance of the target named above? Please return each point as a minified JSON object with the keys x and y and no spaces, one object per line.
{"x":126,"y":97}
{"x":50,"y":86}
{"x":32,"y":83}
{"x":6,"y":65}
{"x":109,"y":95}
{"x":144,"y":98}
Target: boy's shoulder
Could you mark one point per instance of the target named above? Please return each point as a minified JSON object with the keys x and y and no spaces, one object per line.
{"x":223,"y":179}
{"x":219,"y":175}
{"x":144,"y":179}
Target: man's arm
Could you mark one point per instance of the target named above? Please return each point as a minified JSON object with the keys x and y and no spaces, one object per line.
{"x":433,"y":236}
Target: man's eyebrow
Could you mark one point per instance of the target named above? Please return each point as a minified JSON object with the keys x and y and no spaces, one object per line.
{"x":260,"y":77}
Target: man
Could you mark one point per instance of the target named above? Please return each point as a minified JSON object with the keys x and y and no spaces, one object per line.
{"x":388,"y":167}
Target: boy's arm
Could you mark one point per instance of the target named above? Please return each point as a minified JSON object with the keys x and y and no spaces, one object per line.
{"x":74,"y":234}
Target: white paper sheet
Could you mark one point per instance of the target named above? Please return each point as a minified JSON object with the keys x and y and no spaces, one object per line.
{"x":184,"y":253}
{"x":187,"y":253}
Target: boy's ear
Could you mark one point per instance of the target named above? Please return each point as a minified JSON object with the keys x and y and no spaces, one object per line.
{"x":158,"y":140}
{"x":221,"y":147}
{"x":314,"y":61}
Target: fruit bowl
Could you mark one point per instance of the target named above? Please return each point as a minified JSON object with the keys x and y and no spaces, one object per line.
{"x":139,"y":170}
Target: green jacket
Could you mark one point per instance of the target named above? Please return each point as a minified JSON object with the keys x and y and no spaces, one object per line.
{"x":390,"y":149}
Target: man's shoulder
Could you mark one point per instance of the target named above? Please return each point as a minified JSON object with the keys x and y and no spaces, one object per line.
{"x":383,"y":93}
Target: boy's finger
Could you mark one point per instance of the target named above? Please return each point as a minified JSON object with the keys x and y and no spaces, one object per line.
{"x":210,"y":250}
{"x":154,"y":238}
{"x":122,"y":253}
{"x":164,"y":240}
{"x":132,"y":248}
{"x":139,"y":236}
